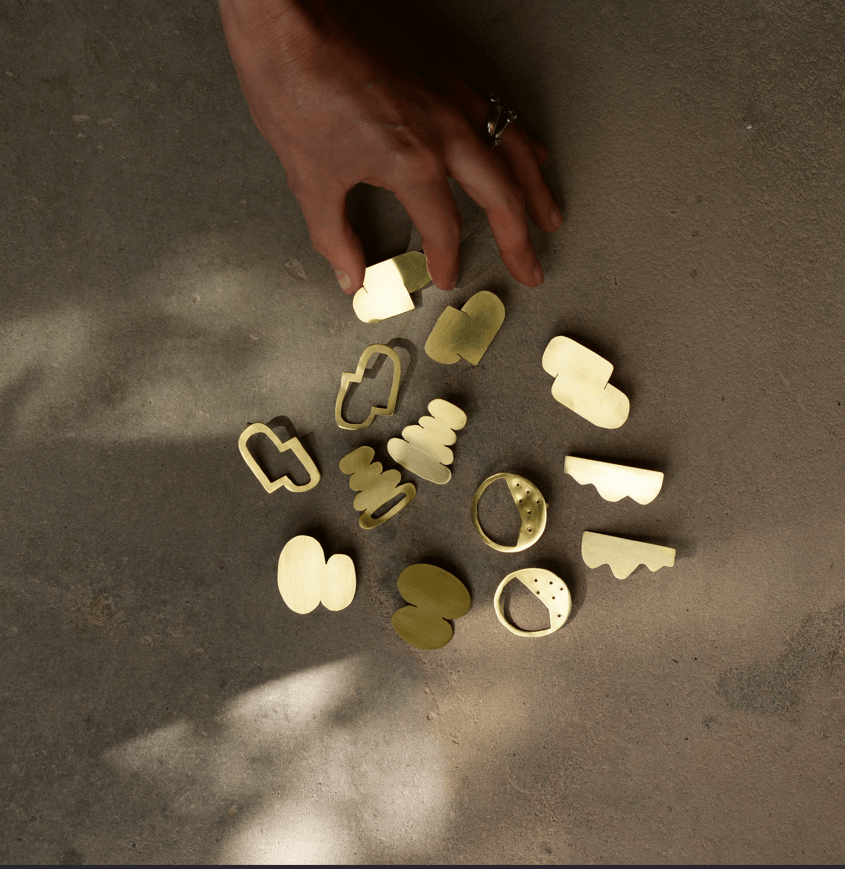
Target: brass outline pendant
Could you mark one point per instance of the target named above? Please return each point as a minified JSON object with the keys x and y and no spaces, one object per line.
{"x":551,"y":590}
{"x":347,"y":379}
{"x":532,"y":518}
{"x":292,"y":444}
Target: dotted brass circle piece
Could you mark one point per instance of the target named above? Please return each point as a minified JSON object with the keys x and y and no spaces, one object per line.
{"x":551,"y":590}
{"x":530,"y":504}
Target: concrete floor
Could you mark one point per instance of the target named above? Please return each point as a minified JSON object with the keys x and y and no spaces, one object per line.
{"x":159,"y":701}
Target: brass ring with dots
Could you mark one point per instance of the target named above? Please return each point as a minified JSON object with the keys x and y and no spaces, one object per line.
{"x":551,"y":590}
{"x":530,"y":504}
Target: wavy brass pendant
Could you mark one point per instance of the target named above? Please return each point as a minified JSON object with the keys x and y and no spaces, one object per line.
{"x":375,"y":489}
{"x":293,"y":444}
{"x":424,"y":449}
{"x":615,"y":482}
{"x":622,"y":555}
{"x":347,"y":379}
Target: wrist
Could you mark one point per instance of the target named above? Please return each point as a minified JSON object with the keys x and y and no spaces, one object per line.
{"x":263,"y":32}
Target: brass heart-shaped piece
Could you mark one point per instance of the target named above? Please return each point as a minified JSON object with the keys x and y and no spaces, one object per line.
{"x":293,"y":444}
{"x":347,"y":379}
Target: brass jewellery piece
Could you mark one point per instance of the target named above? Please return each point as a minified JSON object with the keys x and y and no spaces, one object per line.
{"x":435,"y":595}
{"x":375,"y":489}
{"x":424,"y":449}
{"x":466,"y":334}
{"x":498,"y":119}
{"x":306,"y":579}
{"x":614,"y":482}
{"x":293,"y":444}
{"x":551,"y":590}
{"x":622,"y":555}
{"x":347,"y":379}
{"x":529,"y":503}
{"x":387,"y":287}
{"x":581,"y":383}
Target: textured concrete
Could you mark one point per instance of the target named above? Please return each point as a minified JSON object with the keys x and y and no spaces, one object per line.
{"x":160,"y":703}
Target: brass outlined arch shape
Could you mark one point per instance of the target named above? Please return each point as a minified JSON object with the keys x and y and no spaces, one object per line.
{"x":582,"y":383}
{"x":293,"y":444}
{"x":347,"y":379}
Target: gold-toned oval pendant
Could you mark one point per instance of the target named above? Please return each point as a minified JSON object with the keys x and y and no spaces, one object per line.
{"x":530,"y":505}
{"x":388,"y":285}
{"x":549,"y":588}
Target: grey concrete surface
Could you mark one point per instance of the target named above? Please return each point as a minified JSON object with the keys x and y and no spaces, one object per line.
{"x":159,"y":701}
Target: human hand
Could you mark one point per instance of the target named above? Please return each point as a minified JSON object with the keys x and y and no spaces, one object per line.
{"x":340,"y":109}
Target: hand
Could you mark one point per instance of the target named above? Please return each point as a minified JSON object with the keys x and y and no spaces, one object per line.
{"x":340,"y":109}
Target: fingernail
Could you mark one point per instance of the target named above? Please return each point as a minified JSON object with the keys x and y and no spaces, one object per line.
{"x":343,"y":279}
{"x":557,"y":217}
{"x":538,"y":275}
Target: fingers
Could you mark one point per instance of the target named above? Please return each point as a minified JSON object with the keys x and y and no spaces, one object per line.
{"x":505,"y":186}
{"x":432,"y":208}
{"x":490,"y":183}
{"x":519,"y":151}
{"x":332,"y":235}
{"x":541,"y":152}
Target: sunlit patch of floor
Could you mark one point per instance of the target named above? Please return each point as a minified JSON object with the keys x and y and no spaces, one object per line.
{"x":329,"y":765}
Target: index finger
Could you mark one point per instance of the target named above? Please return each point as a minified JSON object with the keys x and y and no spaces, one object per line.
{"x":489,"y":183}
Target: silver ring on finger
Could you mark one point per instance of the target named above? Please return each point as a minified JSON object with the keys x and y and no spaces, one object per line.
{"x":498,"y":119}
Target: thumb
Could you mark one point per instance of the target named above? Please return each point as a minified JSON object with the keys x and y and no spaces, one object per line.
{"x":332,"y":236}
